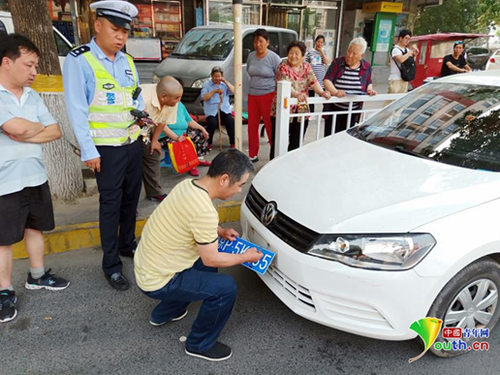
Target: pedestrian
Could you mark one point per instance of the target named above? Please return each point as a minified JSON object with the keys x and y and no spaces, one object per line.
{"x":455,"y":63}
{"x":183,"y":126}
{"x":318,"y":60}
{"x":25,"y":202}
{"x":100,"y":84}
{"x":262,"y":65}
{"x":177,"y":259}
{"x":399,"y":54}
{"x":215,"y":96}
{"x":349,"y":75}
{"x":160,"y":101}
{"x":301,"y":75}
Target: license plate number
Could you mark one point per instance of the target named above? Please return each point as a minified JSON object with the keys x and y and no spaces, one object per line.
{"x":239,"y":246}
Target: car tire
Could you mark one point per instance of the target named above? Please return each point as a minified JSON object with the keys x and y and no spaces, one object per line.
{"x":484,"y":272}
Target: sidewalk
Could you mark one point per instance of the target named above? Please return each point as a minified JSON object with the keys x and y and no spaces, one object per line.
{"x":77,"y":223}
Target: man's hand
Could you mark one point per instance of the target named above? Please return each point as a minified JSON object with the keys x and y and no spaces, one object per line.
{"x":414,"y":50}
{"x":155,"y":146}
{"x":227,"y":233}
{"x":253,"y":255}
{"x":94,"y":164}
{"x":371,"y":92}
{"x":13,"y":137}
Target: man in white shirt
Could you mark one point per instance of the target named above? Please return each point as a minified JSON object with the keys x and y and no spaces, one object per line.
{"x":399,"y":54}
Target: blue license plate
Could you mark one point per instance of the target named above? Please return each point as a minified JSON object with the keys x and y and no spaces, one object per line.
{"x":239,"y":246}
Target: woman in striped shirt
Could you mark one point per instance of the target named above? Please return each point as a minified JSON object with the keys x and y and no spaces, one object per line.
{"x":349,"y":75}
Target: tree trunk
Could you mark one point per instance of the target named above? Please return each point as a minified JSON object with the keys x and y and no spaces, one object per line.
{"x":31,"y":18}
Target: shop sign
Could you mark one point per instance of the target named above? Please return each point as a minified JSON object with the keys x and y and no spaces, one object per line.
{"x":383,"y":6}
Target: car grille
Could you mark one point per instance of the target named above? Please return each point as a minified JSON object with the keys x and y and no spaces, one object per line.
{"x":294,"y":234}
{"x":300,"y":293}
{"x":190,"y":95}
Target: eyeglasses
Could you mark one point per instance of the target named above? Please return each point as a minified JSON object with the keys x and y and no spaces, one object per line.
{"x":458,"y":43}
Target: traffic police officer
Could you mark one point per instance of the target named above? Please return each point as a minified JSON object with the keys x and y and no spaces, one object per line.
{"x":100,"y":84}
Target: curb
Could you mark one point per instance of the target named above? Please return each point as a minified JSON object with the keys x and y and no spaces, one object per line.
{"x":85,"y":235}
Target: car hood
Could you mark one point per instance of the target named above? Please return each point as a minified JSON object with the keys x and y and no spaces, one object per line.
{"x":186,"y":69}
{"x":341,"y":184}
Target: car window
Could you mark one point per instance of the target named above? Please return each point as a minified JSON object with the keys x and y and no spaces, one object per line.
{"x":286,"y":39}
{"x":274,"y":42}
{"x":62,"y":47}
{"x":209,"y":44}
{"x":3,"y":29}
{"x":457,"y":124}
{"x":247,"y":45}
{"x":478,"y":51}
{"x":441,"y":49}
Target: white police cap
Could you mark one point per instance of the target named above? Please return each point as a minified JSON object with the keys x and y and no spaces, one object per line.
{"x":118,"y":12}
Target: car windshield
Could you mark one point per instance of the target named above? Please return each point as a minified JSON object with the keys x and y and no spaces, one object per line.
{"x":209,"y":44}
{"x":457,"y":124}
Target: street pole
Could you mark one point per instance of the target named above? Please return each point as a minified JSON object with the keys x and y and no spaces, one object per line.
{"x":238,"y":77}
{"x":74,"y":18}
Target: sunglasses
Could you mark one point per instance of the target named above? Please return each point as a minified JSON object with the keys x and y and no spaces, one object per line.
{"x":458,"y":43}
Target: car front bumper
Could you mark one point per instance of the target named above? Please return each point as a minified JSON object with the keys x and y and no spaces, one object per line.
{"x":377,"y":304}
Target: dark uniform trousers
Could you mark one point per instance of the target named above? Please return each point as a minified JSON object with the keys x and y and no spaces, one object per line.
{"x":119,"y":184}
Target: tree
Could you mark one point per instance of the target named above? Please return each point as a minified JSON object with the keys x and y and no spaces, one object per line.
{"x":466,"y":16}
{"x":31,"y":18}
{"x":452,"y":16}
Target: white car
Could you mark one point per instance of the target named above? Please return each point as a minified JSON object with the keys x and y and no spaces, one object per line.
{"x":63,"y":45}
{"x":392,"y":221}
{"x":493,"y":61}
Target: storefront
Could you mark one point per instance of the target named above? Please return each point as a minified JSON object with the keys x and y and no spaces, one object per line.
{"x":156,"y":30}
{"x":308,"y":18}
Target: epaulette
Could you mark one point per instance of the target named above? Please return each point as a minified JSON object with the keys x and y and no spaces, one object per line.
{"x":79,"y":51}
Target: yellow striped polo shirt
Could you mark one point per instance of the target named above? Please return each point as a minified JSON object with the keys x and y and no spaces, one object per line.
{"x":185,"y":218}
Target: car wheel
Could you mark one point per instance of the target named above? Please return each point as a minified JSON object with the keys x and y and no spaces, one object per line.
{"x":469,"y":300}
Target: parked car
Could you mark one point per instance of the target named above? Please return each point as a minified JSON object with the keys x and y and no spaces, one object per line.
{"x":205,"y":47}
{"x":494,"y":61}
{"x":393,"y":220}
{"x":63,"y":44}
{"x":477,"y":57}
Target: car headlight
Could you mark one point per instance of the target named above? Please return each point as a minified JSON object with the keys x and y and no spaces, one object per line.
{"x":155,"y":79}
{"x":198,"y":84}
{"x":389,"y":252}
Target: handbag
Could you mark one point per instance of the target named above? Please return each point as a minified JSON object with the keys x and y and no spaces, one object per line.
{"x":183,"y":155}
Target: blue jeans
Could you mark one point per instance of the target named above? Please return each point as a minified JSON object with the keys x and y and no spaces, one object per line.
{"x":218,"y":293}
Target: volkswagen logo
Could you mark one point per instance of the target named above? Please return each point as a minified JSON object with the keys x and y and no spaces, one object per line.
{"x":268,"y":213}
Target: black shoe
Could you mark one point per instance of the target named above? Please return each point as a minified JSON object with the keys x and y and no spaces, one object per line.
{"x":47,"y":281}
{"x":218,"y":352}
{"x":131,"y":253}
{"x":254,"y":159}
{"x":8,"y":309}
{"x":158,"y":324}
{"x":118,"y":281}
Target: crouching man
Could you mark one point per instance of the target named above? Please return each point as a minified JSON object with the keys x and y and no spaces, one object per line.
{"x":176,"y":261}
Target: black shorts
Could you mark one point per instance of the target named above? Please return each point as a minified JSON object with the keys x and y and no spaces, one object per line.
{"x":30,"y":208}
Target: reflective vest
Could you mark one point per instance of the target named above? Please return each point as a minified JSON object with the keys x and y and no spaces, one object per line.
{"x":110,"y":121}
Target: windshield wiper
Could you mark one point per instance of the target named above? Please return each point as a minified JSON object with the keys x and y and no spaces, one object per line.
{"x":403,"y":150}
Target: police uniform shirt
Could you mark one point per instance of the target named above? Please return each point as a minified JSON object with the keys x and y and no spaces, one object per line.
{"x":79,"y":88}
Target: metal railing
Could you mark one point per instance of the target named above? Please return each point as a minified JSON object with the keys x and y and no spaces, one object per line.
{"x":284,"y":100}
